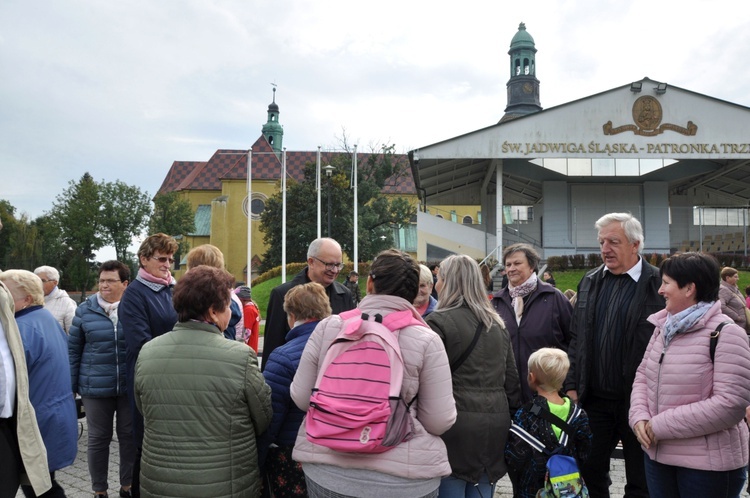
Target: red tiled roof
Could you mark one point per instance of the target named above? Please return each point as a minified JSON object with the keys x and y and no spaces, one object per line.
{"x":232,"y":165}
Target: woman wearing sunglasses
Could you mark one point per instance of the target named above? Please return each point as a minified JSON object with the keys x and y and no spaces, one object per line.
{"x":146,"y":312}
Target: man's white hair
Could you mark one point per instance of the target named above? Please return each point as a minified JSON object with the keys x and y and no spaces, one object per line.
{"x":52,"y":273}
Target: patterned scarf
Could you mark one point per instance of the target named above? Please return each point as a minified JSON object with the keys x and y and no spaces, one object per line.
{"x":109,"y":308}
{"x":683,"y":320}
{"x":518,"y":293}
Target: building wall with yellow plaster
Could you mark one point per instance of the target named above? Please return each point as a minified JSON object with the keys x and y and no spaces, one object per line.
{"x":229,"y":223}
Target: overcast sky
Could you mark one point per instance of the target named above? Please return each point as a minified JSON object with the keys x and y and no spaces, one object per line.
{"x":121,"y":89}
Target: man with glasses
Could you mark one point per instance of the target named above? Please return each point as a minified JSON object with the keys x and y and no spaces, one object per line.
{"x":323,"y":266}
{"x":56,"y":300}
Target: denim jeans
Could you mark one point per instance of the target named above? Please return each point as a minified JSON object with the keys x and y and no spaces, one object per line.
{"x":453,"y":487}
{"x":100,"y":413}
{"x":668,"y":481}
{"x":315,"y":490}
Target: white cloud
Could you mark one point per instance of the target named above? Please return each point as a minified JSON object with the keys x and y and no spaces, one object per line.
{"x":123,"y":89}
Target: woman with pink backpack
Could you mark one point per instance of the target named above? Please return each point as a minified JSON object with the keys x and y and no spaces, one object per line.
{"x":412,"y":466}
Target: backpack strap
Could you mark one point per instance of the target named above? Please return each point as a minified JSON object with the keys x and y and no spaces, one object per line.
{"x":567,"y":429}
{"x":455,"y":366}
{"x":715,"y":340}
{"x":529,"y":438}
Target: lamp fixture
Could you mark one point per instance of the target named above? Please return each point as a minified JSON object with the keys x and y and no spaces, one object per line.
{"x":636,"y":86}
{"x":328,"y":170}
{"x":661,"y":88}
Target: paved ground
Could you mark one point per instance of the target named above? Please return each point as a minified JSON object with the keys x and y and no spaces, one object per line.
{"x":75,"y":479}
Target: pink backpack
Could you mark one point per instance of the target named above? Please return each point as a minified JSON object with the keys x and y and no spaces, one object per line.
{"x":356,"y":404}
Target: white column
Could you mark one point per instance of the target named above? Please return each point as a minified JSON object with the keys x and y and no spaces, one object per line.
{"x":499,"y":210}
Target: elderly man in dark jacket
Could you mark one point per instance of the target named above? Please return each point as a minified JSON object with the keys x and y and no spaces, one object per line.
{"x":323,"y":266}
{"x":610,"y":335}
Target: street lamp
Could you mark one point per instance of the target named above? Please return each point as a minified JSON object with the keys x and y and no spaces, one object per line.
{"x":329,"y":172}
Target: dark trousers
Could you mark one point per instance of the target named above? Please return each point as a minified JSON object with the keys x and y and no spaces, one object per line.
{"x":10,"y":459}
{"x":668,"y":481}
{"x":54,"y":492}
{"x":135,"y":489}
{"x":100,"y":414}
{"x":608,"y":420}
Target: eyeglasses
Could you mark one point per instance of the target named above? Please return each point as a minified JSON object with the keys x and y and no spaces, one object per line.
{"x":44,"y":281}
{"x":111,"y":281}
{"x":331,"y":266}
{"x":163,"y":259}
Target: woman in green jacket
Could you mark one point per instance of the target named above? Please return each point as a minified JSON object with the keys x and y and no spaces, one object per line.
{"x":203,"y":399}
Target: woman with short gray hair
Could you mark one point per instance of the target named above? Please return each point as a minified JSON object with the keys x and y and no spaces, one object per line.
{"x":46,"y":348}
{"x":536,"y":313}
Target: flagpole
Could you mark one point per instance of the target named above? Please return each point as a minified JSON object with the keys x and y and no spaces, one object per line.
{"x":283,"y":215}
{"x":356,"y":209}
{"x":249,"y":218}
{"x":317,"y":187}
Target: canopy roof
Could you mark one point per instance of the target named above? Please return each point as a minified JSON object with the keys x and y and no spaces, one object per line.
{"x":643,"y":131}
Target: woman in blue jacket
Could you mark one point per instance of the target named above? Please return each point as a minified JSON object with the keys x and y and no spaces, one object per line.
{"x":96,"y":347}
{"x":45,"y":347}
{"x":305,"y":306}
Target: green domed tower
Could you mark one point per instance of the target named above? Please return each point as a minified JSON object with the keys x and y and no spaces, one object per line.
{"x":272,"y":130}
{"x":523,"y":87}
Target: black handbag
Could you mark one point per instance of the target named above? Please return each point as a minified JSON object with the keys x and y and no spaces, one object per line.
{"x":80,"y":410}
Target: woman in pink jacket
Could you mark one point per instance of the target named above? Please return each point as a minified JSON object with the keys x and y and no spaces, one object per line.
{"x":413,"y":468}
{"x":686,"y":410}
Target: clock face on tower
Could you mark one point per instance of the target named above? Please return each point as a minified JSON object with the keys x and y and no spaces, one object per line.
{"x":528,"y":87}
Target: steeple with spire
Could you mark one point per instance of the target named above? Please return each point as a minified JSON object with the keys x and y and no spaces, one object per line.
{"x":272,"y":130}
{"x":523,"y":87}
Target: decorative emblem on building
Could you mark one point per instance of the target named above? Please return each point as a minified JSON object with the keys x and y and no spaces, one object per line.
{"x":647,"y":116}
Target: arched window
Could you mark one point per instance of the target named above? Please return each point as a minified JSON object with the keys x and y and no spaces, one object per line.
{"x":467,"y":220}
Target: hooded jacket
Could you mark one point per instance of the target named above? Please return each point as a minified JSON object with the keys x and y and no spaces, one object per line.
{"x":487,"y":393}
{"x":426,"y":372}
{"x":696,"y":407}
{"x":62,"y":307}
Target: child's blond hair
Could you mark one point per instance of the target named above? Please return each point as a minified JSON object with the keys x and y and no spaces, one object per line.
{"x":549,"y":366}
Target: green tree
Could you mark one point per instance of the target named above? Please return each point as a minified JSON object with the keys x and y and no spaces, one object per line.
{"x":77,"y":213}
{"x":27,"y":244}
{"x":377,"y":214}
{"x":124,"y":215}
{"x":9,"y":227}
{"x":174,"y":216}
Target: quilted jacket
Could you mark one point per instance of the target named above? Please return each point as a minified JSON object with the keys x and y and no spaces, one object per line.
{"x":62,"y":307}
{"x":279,"y":372}
{"x":426,"y":372}
{"x":696,"y":408}
{"x":97,"y":352}
{"x":203,"y":402}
